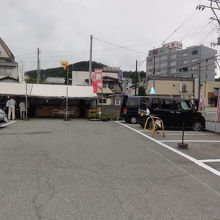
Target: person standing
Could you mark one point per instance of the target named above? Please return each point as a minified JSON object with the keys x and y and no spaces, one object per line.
{"x":11,"y":103}
{"x":22,"y":108}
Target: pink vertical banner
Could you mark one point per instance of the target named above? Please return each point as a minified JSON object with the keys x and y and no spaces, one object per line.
{"x":218,"y":107}
{"x":98,"y":80}
{"x":201,"y":104}
{"x":94,"y":84}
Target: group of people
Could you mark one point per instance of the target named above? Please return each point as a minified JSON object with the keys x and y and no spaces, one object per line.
{"x":11,"y":104}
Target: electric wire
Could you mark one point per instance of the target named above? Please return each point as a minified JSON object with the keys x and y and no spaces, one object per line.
{"x":180,"y":26}
{"x":195,"y":33}
{"x":122,"y":47}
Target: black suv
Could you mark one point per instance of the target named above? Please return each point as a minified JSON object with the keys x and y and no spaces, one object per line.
{"x":129,"y":108}
{"x":172,"y":111}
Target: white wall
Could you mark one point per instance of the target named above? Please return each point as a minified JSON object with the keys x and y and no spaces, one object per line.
{"x":78,"y":77}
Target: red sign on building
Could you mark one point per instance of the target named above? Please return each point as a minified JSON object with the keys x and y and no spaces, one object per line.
{"x":97,"y":81}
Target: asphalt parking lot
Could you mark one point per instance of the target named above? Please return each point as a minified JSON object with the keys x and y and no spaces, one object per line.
{"x":60,"y":170}
{"x":203,"y":147}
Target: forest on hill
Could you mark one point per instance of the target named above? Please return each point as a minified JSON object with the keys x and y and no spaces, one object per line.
{"x":80,"y":66}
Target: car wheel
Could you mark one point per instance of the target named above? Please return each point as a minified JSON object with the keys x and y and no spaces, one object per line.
{"x":133,"y":120}
{"x":197,"y":126}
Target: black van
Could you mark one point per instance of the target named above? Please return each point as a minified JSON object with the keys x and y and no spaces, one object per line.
{"x":129,"y":108}
{"x":171,"y":111}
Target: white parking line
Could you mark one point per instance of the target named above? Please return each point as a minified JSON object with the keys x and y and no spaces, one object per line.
{"x":211,"y":161}
{"x":188,"y":134}
{"x":195,"y":141}
{"x":167,"y":133}
{"x":199,"y":163}
{"x":5,"y":124}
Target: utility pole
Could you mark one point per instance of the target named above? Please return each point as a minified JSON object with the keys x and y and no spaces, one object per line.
{"x":154,"y":69}
{"x":139,"y":78}
{"x":38,"y":65}
{"x":136,"y":78}
{"x":199,"y":81}
{"x":146,"y":75}
{"x":90,"y":61}
{"x":214,"y":5}
{"x":26,"y":97}
{"x":67,"y":84}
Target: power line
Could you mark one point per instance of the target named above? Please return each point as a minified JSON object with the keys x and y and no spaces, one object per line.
{"x":179,"y":27}
{"x":195,"y":33}
{"x":116,"y":45}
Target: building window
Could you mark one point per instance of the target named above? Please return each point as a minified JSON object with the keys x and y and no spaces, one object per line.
{"x":195,"y":68}
{"x":103,"y":101}
{"x":173,"y":70}
{"x":185,"y":54}
{"x":183,"y":88}
{"x":185,"y":61}
{"x":185,"y":69}
{"x":117,"y":102}
{"x":194,"y":60}
{"x":163,"y":71}
{"x":173,"y":64}
{"x":173,"y":56}
{"x":163,"y":58}
{"x":149,"y":60}
{"x":194,"y":52}
{"x":163,"y":65}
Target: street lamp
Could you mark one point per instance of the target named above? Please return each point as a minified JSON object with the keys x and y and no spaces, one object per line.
{"x":65,"y":67}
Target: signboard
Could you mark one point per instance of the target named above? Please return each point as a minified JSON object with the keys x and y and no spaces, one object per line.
{"x":97,"y":81}
{"x":64,"y":64}
{"x":152,"y":91}
{"x":120,"y":76}
{"x":174,"y":44}
{"x":111,"y":69}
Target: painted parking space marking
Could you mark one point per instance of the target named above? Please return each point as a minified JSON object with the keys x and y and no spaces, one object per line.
{"x":211,"y":161}
{"x":195,"y":141}
{"x":170,"y":134}
{"x":5,"y":124}
{"x":197,"y":162}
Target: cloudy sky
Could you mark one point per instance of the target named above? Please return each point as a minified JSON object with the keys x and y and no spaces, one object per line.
{"x":62,"y":28}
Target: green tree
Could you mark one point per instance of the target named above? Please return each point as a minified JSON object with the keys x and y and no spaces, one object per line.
{"x":141,"y":91}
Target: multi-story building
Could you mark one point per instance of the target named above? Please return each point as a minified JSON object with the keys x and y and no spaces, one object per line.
{"x":8,"y":66}
{"x":171,"y":60}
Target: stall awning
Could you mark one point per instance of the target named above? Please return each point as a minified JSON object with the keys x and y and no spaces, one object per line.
{"x":50,"y":91}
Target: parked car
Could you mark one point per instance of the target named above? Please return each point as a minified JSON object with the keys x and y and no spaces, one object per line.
{"x":3,"y":117}
{"x":172,"y":111}
{"x":129,"y":108}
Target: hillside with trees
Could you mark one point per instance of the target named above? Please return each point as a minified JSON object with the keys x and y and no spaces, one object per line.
{"x":80,"y":66}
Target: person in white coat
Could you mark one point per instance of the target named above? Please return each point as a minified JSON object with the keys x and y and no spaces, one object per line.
{"x":11,"y":103}
{"x":22,"y":108}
